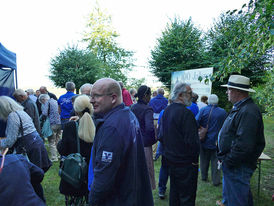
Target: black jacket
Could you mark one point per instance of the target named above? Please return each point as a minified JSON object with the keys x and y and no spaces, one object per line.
{"x":66,"y":146}
{"x":144,"y":114}
{"x":179,"y":135}
{"x":241,"y":139}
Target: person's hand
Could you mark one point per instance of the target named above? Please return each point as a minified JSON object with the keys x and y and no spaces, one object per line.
{"x":74,"y":118}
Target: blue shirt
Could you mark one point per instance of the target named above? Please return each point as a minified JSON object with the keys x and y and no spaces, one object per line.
{"x":215,"y":123}
{"x":158,"y":103}
{"x":194,"y":108}
{"x":65,"y":104}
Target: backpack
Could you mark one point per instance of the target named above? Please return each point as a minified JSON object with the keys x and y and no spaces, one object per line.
{"x":73,"y":168}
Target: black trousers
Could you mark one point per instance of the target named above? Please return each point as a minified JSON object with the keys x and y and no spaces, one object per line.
{"x":183,"y":185}
{"x":209,"y":156}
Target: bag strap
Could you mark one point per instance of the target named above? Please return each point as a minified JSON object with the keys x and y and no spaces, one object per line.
{"x":209,"y":115}
{"x":21,"y":125}
{"x":48,"y":108}
{"x":77,"y":138}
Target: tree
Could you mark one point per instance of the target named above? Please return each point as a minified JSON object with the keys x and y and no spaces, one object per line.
{"x":223,"y":40}
{"x":78,"y":66}
{"x":179,"y":48}
{"x":102,"y":41}
{"x":255,"y":41}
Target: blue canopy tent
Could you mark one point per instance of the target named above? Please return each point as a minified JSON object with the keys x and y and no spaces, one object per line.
{"x":8,"y":73}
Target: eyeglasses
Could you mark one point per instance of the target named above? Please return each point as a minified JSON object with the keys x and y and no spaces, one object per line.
{"x":96,"y":96}
{"x":190,"y":93}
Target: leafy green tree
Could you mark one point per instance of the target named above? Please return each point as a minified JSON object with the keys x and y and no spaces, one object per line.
{"x":102,"y":41}
{"x":253,"y":40}
{"x":222,"y":40}
{"x":180,"y":47}
{"x":78,"y":66}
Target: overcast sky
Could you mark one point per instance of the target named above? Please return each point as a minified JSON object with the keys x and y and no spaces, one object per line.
{"x":35,"y":30}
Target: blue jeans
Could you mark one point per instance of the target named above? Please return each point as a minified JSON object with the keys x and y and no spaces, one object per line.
{"x":163,"y":176}
{"x":159,"y":150}
{"x":236,"y":186}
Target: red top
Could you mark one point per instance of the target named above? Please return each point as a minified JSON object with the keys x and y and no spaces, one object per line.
{"x":126,"y":97}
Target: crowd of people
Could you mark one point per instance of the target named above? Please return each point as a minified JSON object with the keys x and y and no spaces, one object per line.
{"x":119,"y":133}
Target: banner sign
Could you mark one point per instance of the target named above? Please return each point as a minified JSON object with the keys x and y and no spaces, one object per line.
{"x":191,"y":77}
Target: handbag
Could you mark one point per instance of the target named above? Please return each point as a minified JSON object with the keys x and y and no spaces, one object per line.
{"x":202,"y":131}
{"x":46,"y":129}
{"x":73,"y":168}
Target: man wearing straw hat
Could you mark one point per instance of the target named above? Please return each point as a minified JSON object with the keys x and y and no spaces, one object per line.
{"x":240,"y":143}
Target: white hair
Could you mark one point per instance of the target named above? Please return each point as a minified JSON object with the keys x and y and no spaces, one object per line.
{"x":213,"y":99}
{"x":85,"y":86}
{"x":19,"y":92}
{"x":43,"y":97}
{"x":7,"y":106}
{"x":178,"y":89}
{"x":30,"y":91}
{"x":84,"y":109}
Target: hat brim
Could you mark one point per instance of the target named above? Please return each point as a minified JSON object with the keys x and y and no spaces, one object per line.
{"x":229,"y":86}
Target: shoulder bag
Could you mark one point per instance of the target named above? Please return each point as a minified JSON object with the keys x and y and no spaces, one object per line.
{"x":203,"y":130}
{"x":73,"y":168}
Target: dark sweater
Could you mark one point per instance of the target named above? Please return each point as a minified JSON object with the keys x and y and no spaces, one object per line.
{"x":144,"y":114}
{"x":68,"y":145}
{"x":180,"y":135}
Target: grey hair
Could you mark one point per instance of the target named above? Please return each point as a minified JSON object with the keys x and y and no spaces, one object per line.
{"x":19,"y":92}
{"x":86,"y":85}
{"x":132,"y":91}
{"x":161,"y":91}
{"x":43,"y":96}
{"x":70,"y":86}
{"x":213,"y":99}
{"x":178,"y":89}
{"x":30,"y":91}
{"x":7,"y":106}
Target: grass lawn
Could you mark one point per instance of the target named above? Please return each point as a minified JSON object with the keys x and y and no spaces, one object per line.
{"x":206,"y":193}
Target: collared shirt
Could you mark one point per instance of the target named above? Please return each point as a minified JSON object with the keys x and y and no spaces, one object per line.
{"x":65,"y":104}
{"x":237,"y":104}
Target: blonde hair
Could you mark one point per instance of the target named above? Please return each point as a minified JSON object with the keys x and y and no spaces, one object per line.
{"x":7,"y":106}
{"x":84,"y":109}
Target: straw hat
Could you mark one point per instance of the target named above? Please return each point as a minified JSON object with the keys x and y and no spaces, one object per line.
{"x":239,"y":82}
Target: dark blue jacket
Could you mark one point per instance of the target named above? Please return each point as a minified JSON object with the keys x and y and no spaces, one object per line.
{"x":216,"y":121}
{"x":144,"y":114}
{"x":158,"y":103}
{"x":15,"y":182}
{"x":119,"y":164}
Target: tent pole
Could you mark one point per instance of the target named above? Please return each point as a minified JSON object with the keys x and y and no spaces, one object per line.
{"x":16,"y":85}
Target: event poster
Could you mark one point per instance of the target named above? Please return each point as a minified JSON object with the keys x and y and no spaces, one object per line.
{"x":193,"y":77}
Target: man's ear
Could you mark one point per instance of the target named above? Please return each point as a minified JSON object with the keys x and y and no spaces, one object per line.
{"x":114,"y":98}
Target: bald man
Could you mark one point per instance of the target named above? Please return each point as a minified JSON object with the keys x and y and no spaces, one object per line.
{"x":118,"y":160}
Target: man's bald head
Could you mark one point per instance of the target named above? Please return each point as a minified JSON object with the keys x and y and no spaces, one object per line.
{"x":110,"y":86}
{"x":105,"y":95}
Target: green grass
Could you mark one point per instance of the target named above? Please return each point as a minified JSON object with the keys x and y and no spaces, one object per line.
{"x":206,"y":193}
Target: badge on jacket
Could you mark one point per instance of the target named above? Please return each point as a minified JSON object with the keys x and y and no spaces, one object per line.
{"x":106,"y":156}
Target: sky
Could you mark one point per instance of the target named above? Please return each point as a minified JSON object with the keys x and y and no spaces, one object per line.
{"x":37,"y":30}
